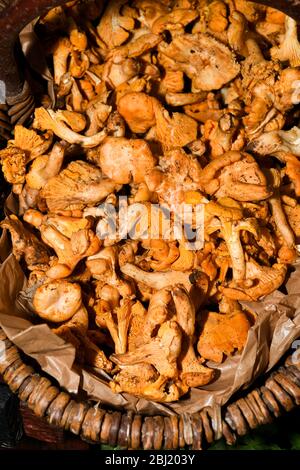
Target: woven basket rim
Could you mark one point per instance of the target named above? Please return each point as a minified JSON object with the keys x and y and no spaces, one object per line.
{"x":280,"y":393}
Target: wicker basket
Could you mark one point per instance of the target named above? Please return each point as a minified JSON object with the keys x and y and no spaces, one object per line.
{"x":280,"y":393}
{"x":60,"y":411}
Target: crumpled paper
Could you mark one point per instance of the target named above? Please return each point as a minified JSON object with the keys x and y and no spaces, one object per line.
{"x":35,"y":55}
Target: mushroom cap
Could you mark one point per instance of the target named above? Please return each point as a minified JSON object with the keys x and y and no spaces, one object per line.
{"x":222,"y":334}
{"x":31,"y":142}
{"x":79,"y":184}
{"x":138,"y":111}
{"x":206,"y":61}
{"x":126,"y":160}
{"x":57,"y":301}
{"x":13,"y":162}
{"x":114,"y":28}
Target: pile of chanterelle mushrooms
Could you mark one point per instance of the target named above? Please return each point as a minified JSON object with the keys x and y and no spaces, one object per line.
{"x":167,"y":102}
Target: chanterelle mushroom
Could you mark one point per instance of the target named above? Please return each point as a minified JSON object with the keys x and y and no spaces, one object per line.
{"x":45,"y":167}
{"x":98,"y":113}
{"x":138,"y":111}
{"x":76,"y":326}
{"x":26,"y":244}
{"x":13,"y":162}
{"x":206,"y":61}
{"x":142,"y":380}
{"x":71,"y":244}
{"x":159,"y":311}
{"x":293,"y":215}
{"x":275,"y":142}
{"x":142,"y":42}
{"x":149,"y":12}
{"x":269,"y":92}
{"x":289,"y":49}
{"x":26,"y":146}
{"x":178,"y":174}
{"x":64,"y":224}
{"x":192,"y":372}
{"x":104,"y":267}
{"x":125,"y":160}
{"x":31,"y":142}
{"x":235,"y":175}
{"x":176,"y":131}
{"x":280,"y":145}
{"x":118,"y":70}
{"x":57,"y":301}
{"x":236,"y":32}
{"x":223,"y":135}
{"x":174,"y":21}
{"x":61,"y":52}
{"x":222,"y":334}
{"x":157,"y":280}
{"x":114,"y":28}
{"x":230,"y":222}
{"x":79,"y":185}
{"x":76,"y":121}
{"x":118,"y":329}
{"x":162,"y":351}
{"x":278,"y":213}
{"x":49,"y":120}
{"x":265,"y":281}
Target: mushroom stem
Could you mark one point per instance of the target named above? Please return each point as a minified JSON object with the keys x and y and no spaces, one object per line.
{"x":234,"y":245}
{"x":193,"y":373}
{"x":157,"y":280}
{"x":61,"y":54}
{"x":280,"y":220}
{"x":255,"y":52}
{"x":231,"y":224}
{"x":158,"y":312}
{"x":49,"y":120}
{"x":124,"y":317}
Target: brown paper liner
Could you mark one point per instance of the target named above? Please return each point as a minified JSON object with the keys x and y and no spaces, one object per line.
{"x":276,"y":327}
